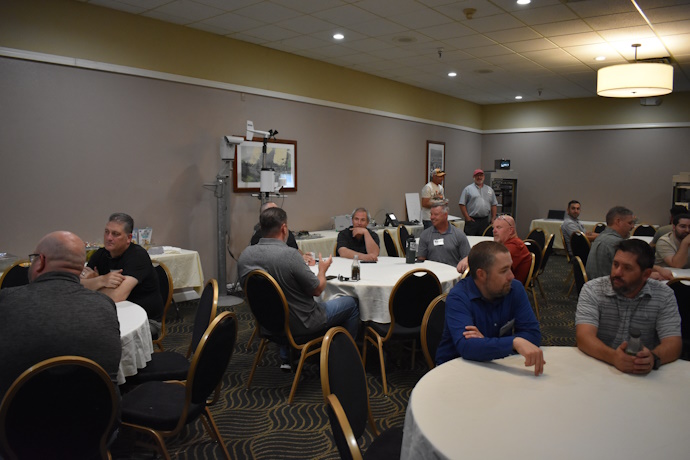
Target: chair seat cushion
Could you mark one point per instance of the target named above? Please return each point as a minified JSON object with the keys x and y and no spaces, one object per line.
{"x":398,"y":330}
{"x":386,"y":446}
{"x":157,"y":405}
{"x":165,"y":365}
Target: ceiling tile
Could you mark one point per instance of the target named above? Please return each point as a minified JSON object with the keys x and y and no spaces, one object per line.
{"x":531,"y":45}
{"x":492,"y":50}
{"x":306,"y":24}
{"x":543,"y":15}
{"x":271,"y":33}
{"x":303,"y":6}
{"x":493,"y":23}
{"x":616,"y":21}
{"x":677,"y":44}
{"x":587,"y":38}
{"x":513,"y":35}
{"x":232,"y":22}
{"x":670,"y":14}
{"x":673,"y":28}
{"x":562,"y":28}
{"x":260,"y":12}
{"x":346,"y":15}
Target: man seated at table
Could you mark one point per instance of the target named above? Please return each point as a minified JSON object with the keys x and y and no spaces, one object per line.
{"x":673,"y":249}
{"x":571,"y":224}
{"x":54,"y":315}
{"x":443,"y":242}
{"x":488,"y":314}
{"x":298,"y":282}
{"x":358,"y":240}
{"x":123,"y":271}
{"x":611,"y":306}
{"x":675,"y":210}
{"x":291,"y":241}
{"x":504,"y":233}
{"x":619,"y":223}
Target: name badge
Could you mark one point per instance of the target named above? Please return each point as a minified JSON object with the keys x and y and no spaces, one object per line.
{"x":438,"y":242}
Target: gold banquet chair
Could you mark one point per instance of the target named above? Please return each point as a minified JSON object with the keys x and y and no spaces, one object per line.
{"x":16,"y":274}
{"x":165,"y":283}
{"x":63,"y":407}
{"x":432,"y":328}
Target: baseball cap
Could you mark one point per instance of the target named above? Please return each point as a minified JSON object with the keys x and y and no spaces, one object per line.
{"x":477,"y":171}
{"x":438,"y":172}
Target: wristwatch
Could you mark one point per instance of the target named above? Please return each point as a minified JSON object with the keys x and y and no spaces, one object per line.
{"x":657,"y":362}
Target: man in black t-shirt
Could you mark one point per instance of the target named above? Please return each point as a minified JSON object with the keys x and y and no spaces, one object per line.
{"x":123,"y":270}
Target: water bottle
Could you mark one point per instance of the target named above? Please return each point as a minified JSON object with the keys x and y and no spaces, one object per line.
{"x":411,"y":250}
{"x":634,"y":343}
{"x":355,"y":269}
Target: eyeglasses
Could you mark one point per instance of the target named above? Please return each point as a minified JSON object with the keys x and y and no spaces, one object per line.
{"x":503,"y":218}
{"x":33,"y":257}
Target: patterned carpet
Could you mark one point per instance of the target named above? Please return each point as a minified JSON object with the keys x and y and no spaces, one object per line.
{"x":258,"y":424}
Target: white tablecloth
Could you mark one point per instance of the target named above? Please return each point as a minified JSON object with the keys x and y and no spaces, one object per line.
{"x":135,"y":335}
{"x":377,"y":282}
{"x":680,"y":272}
{"x":326,"y":243}
{"x":581,"y":408}
{"x":185,"y":268}
{"x":553,"y":226}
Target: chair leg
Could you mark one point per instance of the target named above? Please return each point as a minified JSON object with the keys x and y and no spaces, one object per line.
{"x":572,"y":285}
{"x":257,"y":360}
{"x":383,"y":365}
{"x":251,"y":339}
{"x":295,"y":381}
{"x":212,"y":429}
{"x":536,"y":304}
{"x":160,"y":443}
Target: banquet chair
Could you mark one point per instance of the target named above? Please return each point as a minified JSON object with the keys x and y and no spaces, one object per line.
{"x":432,"y":327}
{"x":644,"y":230}
{"x":681,"y":288}
{"x":163,"y":409}
{"x":539,"y":235}
{"x":272,"y":313}
{"x":165,"y":284}
{"x":407,"y":304}
{"x":16,"y":275}
{"x":580,"y":246}
{"x":403,"y":235}
{"x":344,"y":387}
{"x":599,"y":227}
{"x":391,"y":249}
{"x":61,"y":408}
{"x":529,"y":282}
{"x":579,"y":273}
{"x":545,"y":256}
{"x":171,"y":365}
{"x":488,"y":231}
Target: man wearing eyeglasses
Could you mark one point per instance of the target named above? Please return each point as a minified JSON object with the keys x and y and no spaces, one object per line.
{"x":504,"y":233}
{"x":54,"y":315}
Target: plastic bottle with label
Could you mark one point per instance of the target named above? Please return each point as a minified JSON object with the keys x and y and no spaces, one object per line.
{"x":355,"y":268}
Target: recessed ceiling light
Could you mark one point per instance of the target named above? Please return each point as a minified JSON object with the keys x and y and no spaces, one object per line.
{"x":338,"y":36}
{"x":452,"y":74}
{"x":600,"y":58}
{"x":518,"y":97}
{"x":523,"y":2}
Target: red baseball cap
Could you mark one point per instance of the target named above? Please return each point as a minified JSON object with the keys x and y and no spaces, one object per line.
{"x":477,"y":171}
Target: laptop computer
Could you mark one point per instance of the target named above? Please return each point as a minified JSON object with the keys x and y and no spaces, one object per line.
{"x":556,"y":214}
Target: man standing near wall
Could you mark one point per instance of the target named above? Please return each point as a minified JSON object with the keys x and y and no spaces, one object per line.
{"x":432,"y":193}
{"x":478,"y":205}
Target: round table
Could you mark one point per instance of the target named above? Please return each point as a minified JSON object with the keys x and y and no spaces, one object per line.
{"x":135,"y":336}
{"x":377,"y":282}
{"x":579,"y":408}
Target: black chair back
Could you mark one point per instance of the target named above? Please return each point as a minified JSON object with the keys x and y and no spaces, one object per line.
{"x":205,"y":313}
{"x":579,"y":245}
{"x":644,"y":230}
{"x":536,"y":249}
{"x":538,"y":235}
{"x":266,"y":302}
{"x":579,"y":273}
{"x":546,"y":254}
{"x":488,"y":231}
{"x":411,"y":296}
{"x":60,"y":408}
{"x":16,"y":275}
{"x":403,"y":235}
{"x":391,"y":249}
{"x":565,"y":246}
{"x":165,"y":286}
{"x":212,"y":356}
{"x":600,"y":227}
{"x":681,"y":288}
{"x":342,"y":374}
{"x":432,"y":328}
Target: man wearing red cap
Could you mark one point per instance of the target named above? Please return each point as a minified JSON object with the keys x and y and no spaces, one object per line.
{"x":432,"y":194}
{"x":478,"y":205}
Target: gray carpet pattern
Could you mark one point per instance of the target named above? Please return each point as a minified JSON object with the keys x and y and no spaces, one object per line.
{"x":259,"y":424}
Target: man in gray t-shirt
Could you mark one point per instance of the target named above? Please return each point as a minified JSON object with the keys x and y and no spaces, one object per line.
{"x":443,"y":242}
{"x":610,"y":307}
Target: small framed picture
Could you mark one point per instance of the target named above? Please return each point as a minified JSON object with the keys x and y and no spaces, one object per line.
{"x":281,"y":156}
{"x":435,"y":157}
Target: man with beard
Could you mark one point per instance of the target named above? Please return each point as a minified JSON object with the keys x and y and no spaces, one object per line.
{"x":610,"y":307}
{"x":358,"y":240}
{"x":672,"y":249}
{"x":488,"y":314}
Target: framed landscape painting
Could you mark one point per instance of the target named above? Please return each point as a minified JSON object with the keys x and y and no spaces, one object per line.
{"x":435,"y":157}
{"x":281,"y":156}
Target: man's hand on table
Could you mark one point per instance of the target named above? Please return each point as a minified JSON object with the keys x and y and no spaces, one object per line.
{"x":534,"y":356}
{"x":641,"y":363}
{"x":368,"y":257}
{"x":462,"y":265}
{"x":110,"y":280}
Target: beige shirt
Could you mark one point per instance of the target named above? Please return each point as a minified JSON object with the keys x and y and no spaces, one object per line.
{"x":433,"y":191}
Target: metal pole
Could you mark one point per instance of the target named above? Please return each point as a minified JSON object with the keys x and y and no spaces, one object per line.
{"x":220,"y":192}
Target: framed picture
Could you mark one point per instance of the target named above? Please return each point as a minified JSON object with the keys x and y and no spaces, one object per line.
{"x":435,"y":157}
{"x":281,"y":155}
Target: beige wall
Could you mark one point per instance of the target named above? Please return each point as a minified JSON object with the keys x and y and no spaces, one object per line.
{"x":77,"y":144}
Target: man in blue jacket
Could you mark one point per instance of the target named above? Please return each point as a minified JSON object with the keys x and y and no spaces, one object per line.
{"x":488,"y":315}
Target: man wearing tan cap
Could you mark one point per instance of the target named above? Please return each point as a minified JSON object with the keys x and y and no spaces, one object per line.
{"x":432,"y":194}
{"x":478,"y":205}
